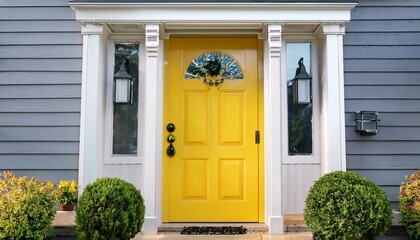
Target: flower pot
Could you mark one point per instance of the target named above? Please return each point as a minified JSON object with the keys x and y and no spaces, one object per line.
{"x":66,"y":207}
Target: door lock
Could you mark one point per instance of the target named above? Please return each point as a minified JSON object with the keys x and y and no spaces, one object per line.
{"x":170,"y":151}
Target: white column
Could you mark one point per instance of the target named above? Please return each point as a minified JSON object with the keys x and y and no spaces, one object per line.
{"x":92,"y":112}
{"x":272,"y":118}
{"x":333,"y":151}
{"x":151,"y":128}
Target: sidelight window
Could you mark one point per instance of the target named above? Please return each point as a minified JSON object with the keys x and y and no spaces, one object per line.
{"x":300,"y":116}
{"x":125,"y":122}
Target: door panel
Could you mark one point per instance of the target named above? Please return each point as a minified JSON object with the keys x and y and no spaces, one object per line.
{"x":195,"y":179}
{"x":231,"y":179}
{"x":231,"y":118}
{"x":214,"y":175}
{"x":196,"y":117}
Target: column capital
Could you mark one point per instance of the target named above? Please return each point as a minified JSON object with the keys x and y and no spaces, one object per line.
{"x":93,"y":28}
{"x":152,"y":39}
{"x":333,"y":29}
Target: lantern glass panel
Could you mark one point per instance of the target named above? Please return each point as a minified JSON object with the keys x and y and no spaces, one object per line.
{"x":302,"y":88}
{"x":300,"y":124}
{"x":125,"y":122}
{"x":122,"y":90}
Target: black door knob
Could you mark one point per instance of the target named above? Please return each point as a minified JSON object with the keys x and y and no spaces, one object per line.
{"x":170,"y":127}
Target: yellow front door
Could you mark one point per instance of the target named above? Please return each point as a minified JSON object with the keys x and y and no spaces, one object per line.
{"x":214,"y":174}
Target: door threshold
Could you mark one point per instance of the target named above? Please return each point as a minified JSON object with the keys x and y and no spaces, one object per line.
{"x":177,"y":227}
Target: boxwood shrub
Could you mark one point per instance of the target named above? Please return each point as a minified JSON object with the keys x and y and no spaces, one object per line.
{"x":109,"y":209}
{"x":27,"y":208}
{"x":410,"y":205}
{"x":344,"y":205}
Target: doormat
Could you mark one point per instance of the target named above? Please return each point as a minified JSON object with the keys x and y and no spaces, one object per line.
{"x":225,"y":230}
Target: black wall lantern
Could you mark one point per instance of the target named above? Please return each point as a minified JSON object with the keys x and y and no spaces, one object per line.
{"x":367,"y":122}
{"x":123,"y":85}
{"x":301,"y":85}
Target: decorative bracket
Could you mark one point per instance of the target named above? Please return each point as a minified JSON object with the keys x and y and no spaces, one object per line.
{"x":274,"y":39}
{"x":152,"y":39}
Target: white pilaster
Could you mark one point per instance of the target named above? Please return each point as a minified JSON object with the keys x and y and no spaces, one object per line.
{"x":151,"y":129}
{"x":333,"y":153}
{"x":272,"y":118}
{"x":92,"y":112}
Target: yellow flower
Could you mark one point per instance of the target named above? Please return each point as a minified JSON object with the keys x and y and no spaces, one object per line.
{"x":67,"y":192}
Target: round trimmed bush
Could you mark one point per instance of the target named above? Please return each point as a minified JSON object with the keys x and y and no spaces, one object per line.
{"x":410,"y":205}
{"x":109,"y":209}
{"x":344,"y":205}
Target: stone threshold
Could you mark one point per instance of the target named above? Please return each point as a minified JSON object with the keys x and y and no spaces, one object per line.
{"x":64,"y":224}
{"x":64,"y":219}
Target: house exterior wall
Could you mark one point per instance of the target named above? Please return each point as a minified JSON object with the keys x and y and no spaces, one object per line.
{"x":382,"y":73}
{"x":40,"y":89}
{"x":40,"y":77}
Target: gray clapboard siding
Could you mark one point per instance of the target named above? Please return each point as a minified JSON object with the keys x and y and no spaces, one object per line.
{"x":381,"y":65}
{"x":384,"y":105}
{"x":36,"y":162}
{"x":57,"y":78}
{"x":40,"y":91}
{"x":382,"y":92}
{"x":367,"y":26}
{"x":392,"y":192}
{"x":385,"y":177}
{"x":11,"y":39}
{"x":371,"y":147}
{"x":386,"y":162}
{"x":54,"y":65}
{"x":40,"y":119}
{"x":39,"y":26}
{"x":38,"y":13}
{"x":382,"y":52}
{"x":386,"y":13}
{"x":380,"y":39}
{"x":39,"y":105}
{"x":31,"y":148}
{"x":62,"y":134}
{"x":41,"y":51}
{"x":40,"y":77}
{"x":378,"y":78}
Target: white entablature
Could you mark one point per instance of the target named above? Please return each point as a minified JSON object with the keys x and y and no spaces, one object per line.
{"x":123,"y":18}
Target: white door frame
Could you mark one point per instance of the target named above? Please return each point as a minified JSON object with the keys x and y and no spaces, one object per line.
{"x":159,"y":20}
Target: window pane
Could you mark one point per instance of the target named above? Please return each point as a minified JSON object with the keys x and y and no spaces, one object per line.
{"x":214,"y":64}
{"x":125,"y":115}
{"x":299,"y":115}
